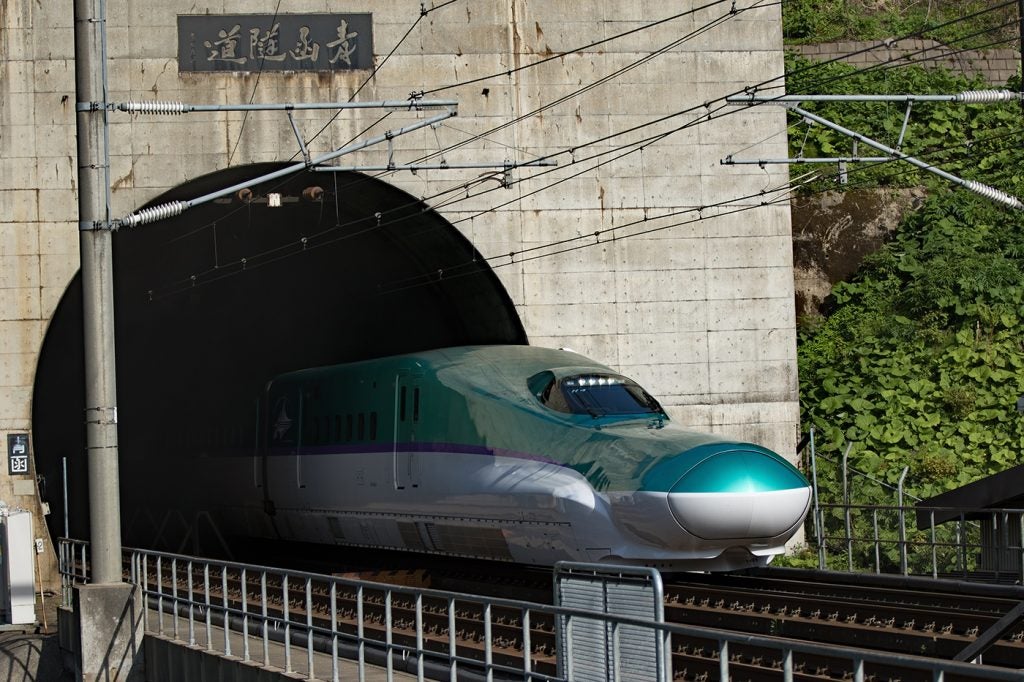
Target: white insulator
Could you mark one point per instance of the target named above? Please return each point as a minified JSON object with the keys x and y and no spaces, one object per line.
{"x":994,"y":194}
{"x":980,"y":96}
{"x":154,"y":213}
{"x":154,"y":107}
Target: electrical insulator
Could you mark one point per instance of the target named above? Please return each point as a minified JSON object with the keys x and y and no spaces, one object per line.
{"x":981,"y":96}
{"x":153,"y":107}
{"x":153,"y":214}
{"x":994,"y":194}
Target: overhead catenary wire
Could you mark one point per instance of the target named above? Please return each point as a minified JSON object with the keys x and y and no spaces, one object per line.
{"x":483,"y":135}
{"x":255,"y":87}
{"x":134,"y":220}
{"x":925,"y":55}
{"x":424,"y":11}
{"x":284,"y":248}
{"x":576,"y":50}
{"x":570,"y":150}
{"x":919,"y":33}
{"x":764,"y":84}
{"x":717,"y":21}
{"x":577,"y":147}
{"x":586,"y":241}
{"x":705,"y":105}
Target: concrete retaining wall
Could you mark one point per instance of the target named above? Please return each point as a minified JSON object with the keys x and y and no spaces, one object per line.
{"x":170,"y":661}
{"x":995,"y":66}
{"x":699,"y":311}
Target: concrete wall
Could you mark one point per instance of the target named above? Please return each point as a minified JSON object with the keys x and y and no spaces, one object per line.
{"x":701,"y":312}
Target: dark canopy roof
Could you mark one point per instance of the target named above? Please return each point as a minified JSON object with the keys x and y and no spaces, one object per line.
{"x":1004,"y":490}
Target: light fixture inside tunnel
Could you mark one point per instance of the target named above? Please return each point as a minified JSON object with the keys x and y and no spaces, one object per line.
{"x":273,"y":199}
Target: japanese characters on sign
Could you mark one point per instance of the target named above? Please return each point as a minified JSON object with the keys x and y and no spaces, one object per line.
{"x":17,"y":453}
{"x":285,"y":42}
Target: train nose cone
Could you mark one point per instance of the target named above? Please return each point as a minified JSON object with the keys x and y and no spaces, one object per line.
{"x":740,"y":494}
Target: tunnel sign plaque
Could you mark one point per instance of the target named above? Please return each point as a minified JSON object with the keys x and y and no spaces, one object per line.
{"x":17,"y":453}
{"x":268,"y":42}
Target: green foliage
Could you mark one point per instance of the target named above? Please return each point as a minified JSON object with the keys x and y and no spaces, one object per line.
{"x":800,"y":557}
{"x":819,"y":21}
{"x":922,"y":361}
{"x":966,"y":140}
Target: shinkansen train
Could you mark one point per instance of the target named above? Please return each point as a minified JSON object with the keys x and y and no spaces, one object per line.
{"x":510,"y":453}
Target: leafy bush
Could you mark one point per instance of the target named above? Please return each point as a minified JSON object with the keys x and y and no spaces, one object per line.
{"x":820,"y":21}
{"x":965,"y":140}
{"x":920,"y":361}
{"x":875,"y":372}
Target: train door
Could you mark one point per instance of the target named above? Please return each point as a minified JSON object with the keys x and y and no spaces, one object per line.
{"x":407,"y":417}
{"x":259,"y":462}
{"x":282,"y":438}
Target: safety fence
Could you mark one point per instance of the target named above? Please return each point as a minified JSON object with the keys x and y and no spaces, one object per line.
{"x":967,"y":544}
{"x":312,"y":625}
{"x":906,"y":537}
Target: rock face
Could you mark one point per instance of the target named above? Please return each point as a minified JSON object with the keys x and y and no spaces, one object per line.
{"x":835,"y":231}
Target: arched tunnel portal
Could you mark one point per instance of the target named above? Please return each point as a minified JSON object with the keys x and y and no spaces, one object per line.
{"x":212,"y":304}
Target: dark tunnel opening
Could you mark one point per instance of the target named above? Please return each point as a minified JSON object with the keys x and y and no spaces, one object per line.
{"x":212,"y":304}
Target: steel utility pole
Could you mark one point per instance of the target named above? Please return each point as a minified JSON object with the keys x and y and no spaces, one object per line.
{"x":106,"y":620}
{"x":95,"y":238}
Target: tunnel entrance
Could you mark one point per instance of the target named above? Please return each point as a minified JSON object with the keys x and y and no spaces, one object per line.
{"x":212,"y":304}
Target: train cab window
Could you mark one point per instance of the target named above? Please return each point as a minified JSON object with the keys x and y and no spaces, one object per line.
{"x":337,"y":428}
{"x":597,"y":394}
{"x":373,"y":426}
{"x":362,"y":426}
{"x":401,"y":404}
{"x":416,"y":404}
{"x":348,"y":427}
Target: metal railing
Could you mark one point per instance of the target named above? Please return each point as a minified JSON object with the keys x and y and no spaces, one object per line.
{"x":980,"y":544}
{"x":208,"y":604}
{"x":905,"y":537}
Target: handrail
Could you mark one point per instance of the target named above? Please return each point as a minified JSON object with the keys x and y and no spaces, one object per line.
{"x":255,"y":621}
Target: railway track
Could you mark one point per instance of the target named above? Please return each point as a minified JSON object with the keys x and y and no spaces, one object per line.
{"x":937,"y":619}
{"x":369,"y":612}
{"x":925,"y":620}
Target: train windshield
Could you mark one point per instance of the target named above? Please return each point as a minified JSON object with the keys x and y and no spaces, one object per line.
{"x":598,"y":395}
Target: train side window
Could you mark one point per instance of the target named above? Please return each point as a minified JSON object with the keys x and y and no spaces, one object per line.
{"x":337,"y":428}
{"x":348,"y":427}
{"x":401,"y":404}
{"x":327,"y":429}
{"x":362,"y":426}
{"x":416,"y":404}
{"x":373,"y":426}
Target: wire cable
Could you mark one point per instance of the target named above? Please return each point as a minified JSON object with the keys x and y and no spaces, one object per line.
{"x":577,"y":50}
{"x":571,"y":150}
{"x":424,"y":11}
{"x":255,"y":86}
